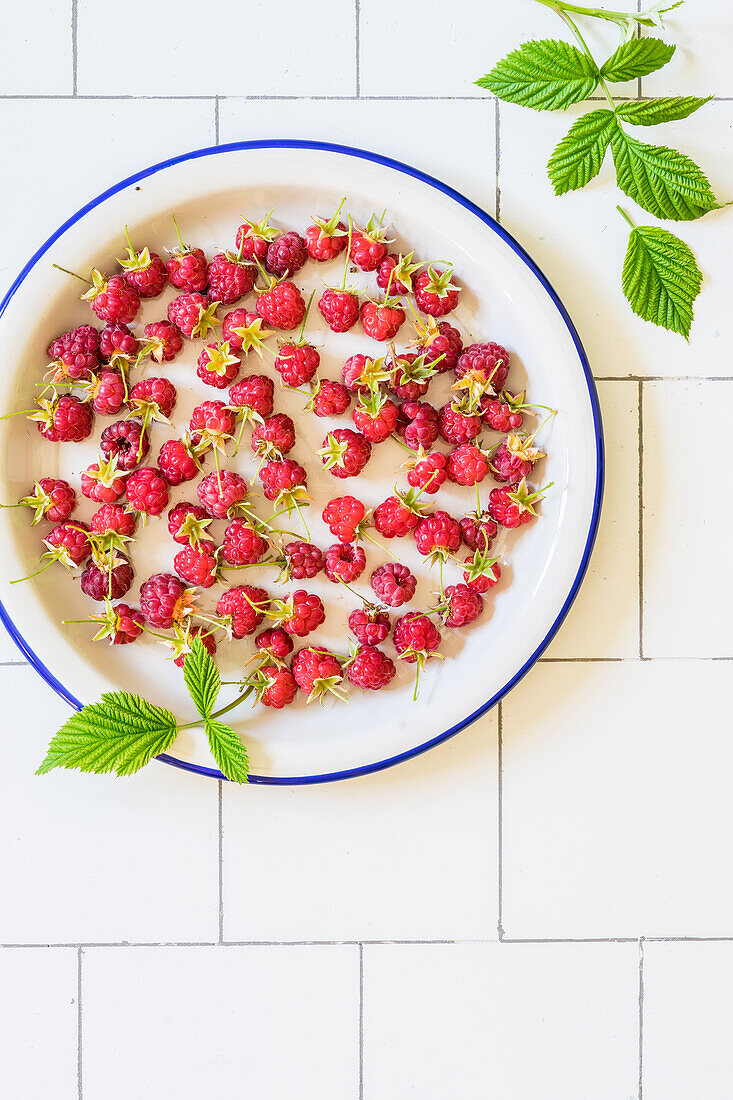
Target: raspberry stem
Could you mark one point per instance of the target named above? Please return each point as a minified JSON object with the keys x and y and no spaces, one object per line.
{"x":73,"y":274}
{"x":385,"y":549}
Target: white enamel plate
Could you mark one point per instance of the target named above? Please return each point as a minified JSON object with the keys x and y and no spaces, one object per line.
{"x":505,"y":298}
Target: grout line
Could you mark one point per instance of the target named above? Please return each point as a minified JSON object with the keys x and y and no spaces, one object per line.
{"x":216,"y":120}
{"x":74,"y":45}
{"x":220,"y":783}
{"x":641,"y":1018}
{"x":361,"y":1021}
{"x":500,"y":815}
{"x":641,"y":519}
{"x":320,"y":98}
{"x":620,"y":660}
{"x":79,"y":1084}
{"x":357,"y":45}
{"x":91,"y":945}
{"x":497,"y":130}
{"x":663,"y":377}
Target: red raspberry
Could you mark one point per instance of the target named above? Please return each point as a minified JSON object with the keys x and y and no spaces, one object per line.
{"x":514,"y":505}
{"x":242,"y":544}
{"x":69,"y":543}
{"x":296,"y":363}
{"x":394,"y":274}
{"x":396,"y":517}
{"x":482,"y":572}
{"x":194,"y":631}
{"x":253,"y":239}
{"x":502,"y":414}
{"x":329,"y":398}
{"x":77,"y":351}
{"x":106,"y":392}
{"x":370,"y":626}
{"x":286,"y":255}
{"x":282,"y":306}
{"x":382,"y":320}
{"x":344,"y":563}
{"x":187,"y":523}
{"x":187,"y":269}
{"x":103,"y":584}
{"x":393,"y":583}
{"x":102,"y":481}
{"x":375,"y":417}
{"x":276,"y":686}
{"x":280,"y":477}
{"x":316,"y":672}
{"x":153,"y":399}
{"x":416,"y":638}
{"x":434,"y":292}
{"x":370,"y":668}
{"x":411,"y":377}
{"x":112,"y":519}
{"x":176,"y":462}
{"x":456,"y":426}
{"x":125,"y":440}
{"x":369,"y":245}
{"x":353,"y":370}
{"x":163,"y":600}
{"x":437,"y":535}
{"x":306,"y":613}
{"x":113,"y":299}
{"x":212,"y":423}
{"x":464,"y":605}
{"x":52,"y":499}
{"x":276,"y":643}
{"x":164,"y":340}
{"x":478,"y":532}
{"x":491,"y":361}
{"x":274,"y":437}
{"x":345,"y":453}
{"x":419,"y":424}
{"x":235,"y":606}
{"x":325,"y":240}
{"x":254,"y":392}
{"x":441,"y":344}
{"x":217,"y":366}
{"x":146,"y":491}
{"x":66,"y":419}
{"x":193,"y":314}
{"x":145,"y":272}
{"x":229,"y":278}
{"x":125,"y":625}
{"x":344,"y":516}
{"x":467,"y":465}
{"x":339,"y":308}
{"x":197,"y":564}
{"x":514,"y":459}
{"x":222,"y":493}
{"x":304,"y":560}
{"x":428,"y":472}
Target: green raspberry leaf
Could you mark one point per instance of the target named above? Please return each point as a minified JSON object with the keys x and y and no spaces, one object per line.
{"x":661,"y":279}
{"x":119,"y":734}
{"x":228,"y":751}
{"x":202,"y":678}
{"x":666,"y":183}
{"x":547,"y":75}
{"x":648,"y":112}
{"x":579,"y":156}
{"x":637,"y":57}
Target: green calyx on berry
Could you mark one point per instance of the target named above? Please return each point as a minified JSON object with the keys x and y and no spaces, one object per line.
{"x":376,"y":230}
{"x":261,"y":230}
{"x":439,"y":282}
{"x":207,"y":321}
{"x":331,"y":227}
{"x":403,"y":270}
{"x":416,"y":371}
{"x":99,"y":286}
{"x":46,"y":410}
{"x":193,"y":529}
{"x":213,"y":439}
{"x":220,"y":358}
{"x":253,"y":336}
{"x":481,"y":565}
{"x":146,"y":411}
{"x":292,"y":500}
{"x":324,"y":686}
{"x":39,"y":501}
{"x":333,"y":452}
{"x":372,"y":403}
{"x":107,"y":471}
{"x":472,"y":387}
{"x":109,"y":623}
{"x":409,"y":500}
{"x":136,"y":261}
{"x":524,"y":499}
{"x":373,"y":372}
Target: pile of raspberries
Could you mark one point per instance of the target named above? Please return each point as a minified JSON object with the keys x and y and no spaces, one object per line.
{"x":232,"y":303}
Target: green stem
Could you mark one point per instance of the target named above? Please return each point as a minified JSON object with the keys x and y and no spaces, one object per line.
{"x":558,"y":7}
{"x":218,"y":713}
{"x":644,"y":18}
{"x":626,"y":218}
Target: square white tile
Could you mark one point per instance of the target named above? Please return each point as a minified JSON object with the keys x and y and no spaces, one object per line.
{"x":616,"y":801}
{"x":266,"y":1022}
{"x":38,"y":1023}
{"x":557,"y":1021}
{"x":408,"y":853}
{"x":37,"y":54}
{"x":87,"y":857}
{"x":703,"y":35}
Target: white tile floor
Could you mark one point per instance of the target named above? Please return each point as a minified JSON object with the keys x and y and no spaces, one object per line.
{"x":197,"y":933}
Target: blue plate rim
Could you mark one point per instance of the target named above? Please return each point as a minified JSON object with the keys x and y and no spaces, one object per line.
{"x":486,"y":219}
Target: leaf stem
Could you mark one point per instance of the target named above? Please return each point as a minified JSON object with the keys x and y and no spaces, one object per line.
{"x":626,"y":217}
{"x":643,"y":18}
{"x":559,"y":8}
{"x":217,"y":713}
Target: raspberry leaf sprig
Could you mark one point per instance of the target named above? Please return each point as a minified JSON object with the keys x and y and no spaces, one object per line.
{"x":123,"y":732}
{"x":660,"y":279}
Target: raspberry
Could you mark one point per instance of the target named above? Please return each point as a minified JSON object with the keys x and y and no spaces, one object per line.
{"x":411,"y":377}
{"x":282,"y":306}
{"x":382,"y":320}
{"x":437,"y":535}
{"x":187,"y":269}
{"x":276,"y":643}
{"x":369,"y":245}
{"x":187,"y":523}
{"x":344,"y":516}
{"x":112,"y":519}
{"x":306,"y":613}
{"x":176,"y":462}
{"x":352,"y":371}
{"x":191,"y":632}
{"x":296,"y":363}
{"x":464,"y":605}
{"x":68,"y":543}
{"x":113,"y":299}
{"x":304,"y":560}
{"x":197,"y":564}
{"x":146,"y":491}
{"x":124,"y":625}
{"x":212,"y":423}
{"x":434,"y":292}
{"x":77,"y":351}
{"x":52,"y":499}
{"x":274,"y":437}
{"x":107,"y":392}
{"x":163,"y":600}
{"x":514,"y":505}
{"x":369,"y":626}
{"x":482,"y":572}
{"x":193,"y":314}
{"x":144,"y":271}
{"x":153,"y":399}
{"x":514,"y":459}
{"x":101,"y":584}
{"x":395,"y":517}
{"x":102,"y":481}
{"x":376,"y":417}
{"x":502,"y":414}
{"x":164,"y":339}
{"x":276,"y":686}
{"x":344,"y":563}
{"x":125,"y":440}
{"x":416,"y":638}
{"x":427,"y":472}
{"x":339,"y":308}
{"x":253,"y":238}
{"x":394,"y":274}
{"x":254,"y":392}
{"x":478,"y":531}
{"x":316,"y":672}
{"x":329,"y":398}
{"x":370,"y":668}
{"x":393,"y":583}
{"x":235,"y":607}
{"x":242,"y":545}
{"x":282,"y":477}
{"x":66,"y":419}
{"x":217,"y":366}
{"x":229,"y":278}
{"x":490,"y":360}
{"x":420,"y":424}
{"x":467,"y":465}
{"x":286,"y":255}
{"x":222,"y":493}
{"x":325,"y":240}
{"x":345,"y":453}
{"x":441,"y":344}
{"x":244,"y":331}
{"x":457,"y":427}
